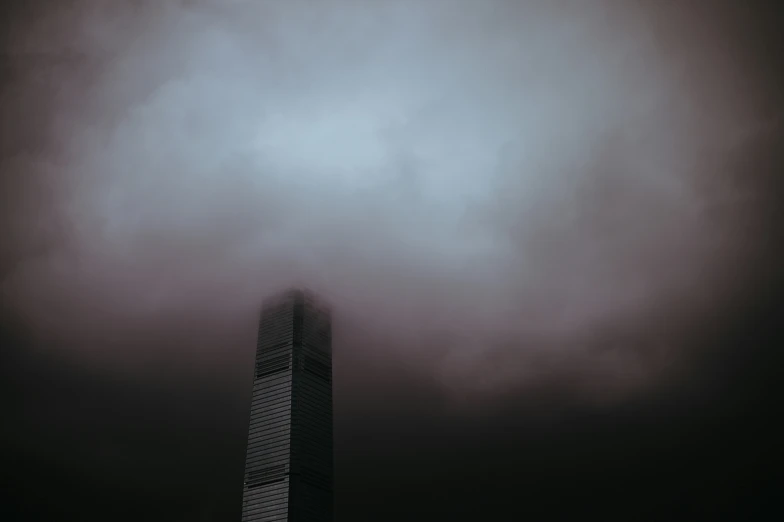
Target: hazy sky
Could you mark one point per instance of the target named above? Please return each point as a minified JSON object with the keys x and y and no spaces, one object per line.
{"x":509,"y":177}
{"x":495,"y":195}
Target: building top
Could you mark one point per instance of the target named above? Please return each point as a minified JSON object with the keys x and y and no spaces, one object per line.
{"x":300,"y":294}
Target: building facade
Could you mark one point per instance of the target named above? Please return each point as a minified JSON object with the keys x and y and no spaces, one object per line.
{"x":289,"y":461}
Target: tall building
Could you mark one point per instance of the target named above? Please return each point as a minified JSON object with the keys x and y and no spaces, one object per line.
{"x":289,"y":463}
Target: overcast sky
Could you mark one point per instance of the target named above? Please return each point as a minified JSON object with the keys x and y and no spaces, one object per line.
{"x":498,"y":198}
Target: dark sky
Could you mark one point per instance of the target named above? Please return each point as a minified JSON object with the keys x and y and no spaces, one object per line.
{"x":548,"y":231}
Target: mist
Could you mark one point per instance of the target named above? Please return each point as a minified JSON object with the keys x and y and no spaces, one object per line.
{"x":500,"y":195}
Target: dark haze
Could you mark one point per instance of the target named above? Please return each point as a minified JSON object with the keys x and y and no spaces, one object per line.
{"x":548,"y":231}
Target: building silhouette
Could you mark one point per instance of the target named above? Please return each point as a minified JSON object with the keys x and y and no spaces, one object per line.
{"x":289,"y":462}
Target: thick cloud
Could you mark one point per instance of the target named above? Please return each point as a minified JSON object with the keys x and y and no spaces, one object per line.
{"x":500,"y":194}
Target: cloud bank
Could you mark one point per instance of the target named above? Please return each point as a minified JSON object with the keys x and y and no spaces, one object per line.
{"x":496,"y":193}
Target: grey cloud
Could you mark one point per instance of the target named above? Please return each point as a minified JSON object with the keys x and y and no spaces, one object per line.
{"x":481,"y":186}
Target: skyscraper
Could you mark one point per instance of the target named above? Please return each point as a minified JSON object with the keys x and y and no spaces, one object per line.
{"x":288,"y":464}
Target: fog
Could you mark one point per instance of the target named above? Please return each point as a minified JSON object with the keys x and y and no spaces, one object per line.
{"x":498,"y":194}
